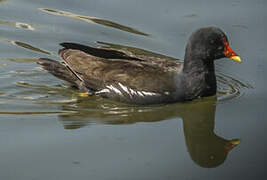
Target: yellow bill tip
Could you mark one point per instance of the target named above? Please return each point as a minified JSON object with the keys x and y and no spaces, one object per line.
{"x":231,"y":144}
{"x":235,"y":142}
{"x":236,"y":58}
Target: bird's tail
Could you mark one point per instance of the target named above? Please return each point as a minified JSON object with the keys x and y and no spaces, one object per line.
{"x":58,"y":69}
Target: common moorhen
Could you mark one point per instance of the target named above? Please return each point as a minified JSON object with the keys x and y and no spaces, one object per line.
{"x":139,"y":79}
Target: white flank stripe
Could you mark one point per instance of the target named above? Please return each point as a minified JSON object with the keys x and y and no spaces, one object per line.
{"x":129,"y":91}
{"x":140,"y":93}
{"x":114,"y":89}
{"x":103,"y":91}
{"x":149,"y":93}
{"x":124,"y":88}
{"x":132,"y":92}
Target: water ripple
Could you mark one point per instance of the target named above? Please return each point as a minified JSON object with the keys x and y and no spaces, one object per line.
{"x":96,"y":20}
{"x":230,"y":88}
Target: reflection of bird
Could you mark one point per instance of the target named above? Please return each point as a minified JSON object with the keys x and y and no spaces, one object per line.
{"x":138,"y":79}
{"x":205,"y":147}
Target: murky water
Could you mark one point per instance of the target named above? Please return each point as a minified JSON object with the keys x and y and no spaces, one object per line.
{"x":48,"y":132}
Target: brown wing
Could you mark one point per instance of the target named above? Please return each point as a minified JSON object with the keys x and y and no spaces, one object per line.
{"x":97,"y":72}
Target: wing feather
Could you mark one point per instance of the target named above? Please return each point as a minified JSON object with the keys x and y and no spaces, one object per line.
{"x":97,"y":73}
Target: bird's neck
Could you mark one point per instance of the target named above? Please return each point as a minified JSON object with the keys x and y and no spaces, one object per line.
{"x":200,"y":79}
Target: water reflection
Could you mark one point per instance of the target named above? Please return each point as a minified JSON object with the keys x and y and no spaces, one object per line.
{"x":96,"y":20}
{"x":17,"y":24}
{"x":21,"y":60}
{"x":205,"y":147}
{"x":26,"y":46}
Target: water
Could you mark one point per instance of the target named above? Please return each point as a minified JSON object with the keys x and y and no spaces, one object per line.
{"x":48,"y":132}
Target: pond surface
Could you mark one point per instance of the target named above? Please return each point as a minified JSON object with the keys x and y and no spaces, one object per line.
{"x":48,"y":132}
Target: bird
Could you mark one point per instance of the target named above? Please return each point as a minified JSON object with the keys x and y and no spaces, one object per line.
{"x":143,"y":79}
